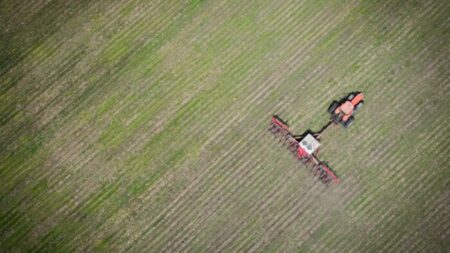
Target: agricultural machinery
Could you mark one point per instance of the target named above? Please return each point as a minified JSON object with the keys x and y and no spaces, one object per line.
{"x":306,"y":146}
{"x":342,"y":112}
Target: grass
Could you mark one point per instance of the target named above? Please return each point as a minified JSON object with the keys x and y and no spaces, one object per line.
{"x":142,"y":126}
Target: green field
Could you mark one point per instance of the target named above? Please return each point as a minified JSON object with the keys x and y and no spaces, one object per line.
{"x":141,"y":126}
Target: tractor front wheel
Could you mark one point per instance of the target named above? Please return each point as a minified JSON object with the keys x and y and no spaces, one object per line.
{"x":349,"y":122}
{"x":359,"y":106}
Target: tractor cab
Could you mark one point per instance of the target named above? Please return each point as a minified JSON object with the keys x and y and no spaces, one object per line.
{"x":346,"y":108}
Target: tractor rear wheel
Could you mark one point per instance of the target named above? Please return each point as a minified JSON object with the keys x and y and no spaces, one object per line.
{"x":349,"y":122}
{"x":350,"y":97}
{"x":359,"y":106}
{"x":333,"y":107}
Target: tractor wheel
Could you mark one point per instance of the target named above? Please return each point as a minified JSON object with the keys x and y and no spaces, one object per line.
{"x":349,"y":122}
{"x":359,"y":106}
{"x":351,"y":96}
{"x":333,"y":107}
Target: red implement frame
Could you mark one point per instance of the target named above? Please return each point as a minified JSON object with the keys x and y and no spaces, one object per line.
{"x":281,"y":129}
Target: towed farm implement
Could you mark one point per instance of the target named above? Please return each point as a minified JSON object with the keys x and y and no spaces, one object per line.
{"x":306,"y":146}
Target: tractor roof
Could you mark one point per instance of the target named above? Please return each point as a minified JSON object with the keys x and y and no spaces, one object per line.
{"x":347,"y":107}
{"x":309,"y":144}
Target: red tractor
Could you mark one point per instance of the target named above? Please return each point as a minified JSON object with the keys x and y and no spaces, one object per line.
{"x":342,"y":112}
{"x":306,"y":146}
